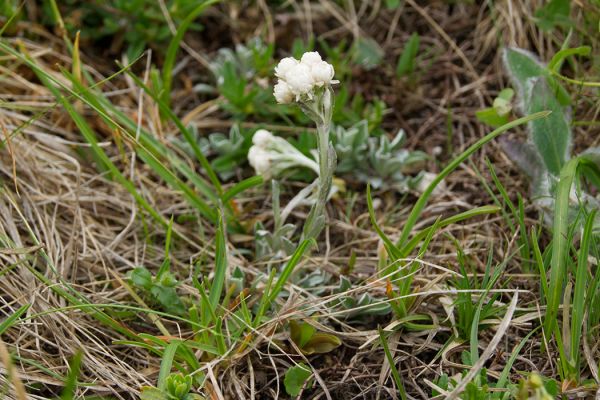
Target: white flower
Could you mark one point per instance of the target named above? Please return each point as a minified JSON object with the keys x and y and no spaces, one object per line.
{"x":300,"y":80}
{"x":311,"y":58}
{"x":270,"y":155}
{"x":260,"y":160}
{"x":322,"y":73}
{"x":285,"y":66}
{"x":282,"y":93}
{"x":262,"y":138}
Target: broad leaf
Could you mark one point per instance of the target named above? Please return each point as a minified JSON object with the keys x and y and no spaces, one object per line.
{"x":555,"y":12}
{"x":295,"y":377}
{"x":521,"y":66}
{"x":367,"y":52}
{"x":551,"y":135}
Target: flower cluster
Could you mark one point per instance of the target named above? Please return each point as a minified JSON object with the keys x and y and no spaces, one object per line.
{"x":298,"y":79}
{"x":270,"y":155}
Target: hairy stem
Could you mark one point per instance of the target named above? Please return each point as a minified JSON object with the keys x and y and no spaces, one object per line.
{"x":315,"y":221}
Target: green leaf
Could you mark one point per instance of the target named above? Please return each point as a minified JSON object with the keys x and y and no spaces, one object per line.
{"x":551,"y":135}
{"x":391,"y":362}
{"x":68,"y":392}
{"x":8,"y":322}
{"x":416,"y":210}
{"x":521,"y":66}
{"x":152,"y":393}
{"x":288,"y":269}
{"x":555,"y":12}
{"x":581,"y":279}
{"x":168,"y":298}
{"x":560,"y":244}
{"x":367,"y":53}
{"x":220,"y":263}
{"x":241,"y":187}
{"x":295,"y":378}
{"x":170,"y":57}
{"x":407,"y":60}
{"x":489,"y":116}
{"x":502,"y":103}
{"x":141,"y":277}
{"x":167,"y":363}
{"x":392,"y":4}
{"x":557,"y":61}
{"x":301,"y":333}
{"x":390,"y":247}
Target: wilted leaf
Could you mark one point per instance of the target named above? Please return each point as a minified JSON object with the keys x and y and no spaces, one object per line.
{"x":301,"y":333}
{"x":321,"y":343}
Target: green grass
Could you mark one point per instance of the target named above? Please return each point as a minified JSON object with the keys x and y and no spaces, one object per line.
{"x":472,"y":286}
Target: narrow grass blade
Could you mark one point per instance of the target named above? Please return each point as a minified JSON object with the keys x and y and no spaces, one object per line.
{"x":504,"y":375}
{"x":422,"y":202}
{"x":184,"y":131}
{"x":288,"y":269}
{"x":539,"y":260}
{"x":68,"y":392}
{"x":581,"y":278}
{"x":220,"y":264}
{"x":170,"y":56}
{"x":241,"y":187}
{"x":488,"y":352}
{"x":390,"y":359}
{"x":410,"y":245}
{"x":167,"y":363}
{"x":560,"y":244}
{"x":10,"y":321}
{"x":389,"y":245}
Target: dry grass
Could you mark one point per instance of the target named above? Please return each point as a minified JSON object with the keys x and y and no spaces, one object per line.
{"x":91,"y":232}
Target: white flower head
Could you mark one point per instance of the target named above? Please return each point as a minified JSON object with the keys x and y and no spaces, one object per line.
{"x":285,"y":66}
{"x":260,"y":160}
{"x":282,"y":92}
{"x":300,"y":80}
{"x":262,"y":138}
{"x":322,"y":73}
{"x":270,"y":155}
{"x":311,"y":58}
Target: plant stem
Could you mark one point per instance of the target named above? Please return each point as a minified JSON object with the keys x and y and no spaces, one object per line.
{"x":315,"y":220}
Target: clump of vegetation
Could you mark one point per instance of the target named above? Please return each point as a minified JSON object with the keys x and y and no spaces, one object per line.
{"x":286,"y":200}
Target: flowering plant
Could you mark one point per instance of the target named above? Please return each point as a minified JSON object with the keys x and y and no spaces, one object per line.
{"x":307,"y":82}
{"x":270,"y":155}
